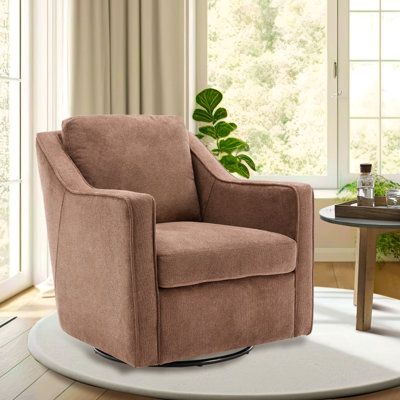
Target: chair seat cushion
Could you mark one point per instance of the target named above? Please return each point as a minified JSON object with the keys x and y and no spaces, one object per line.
{"x":190,"y":253}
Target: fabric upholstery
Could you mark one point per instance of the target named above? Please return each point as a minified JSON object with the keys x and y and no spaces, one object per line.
{"x":145,"y":154}
{"x":189,"y":253}
{"x":285,"y":208}
{"x":102,"y":246}
{"x":150,"y":293}
{"x":204,"y":319}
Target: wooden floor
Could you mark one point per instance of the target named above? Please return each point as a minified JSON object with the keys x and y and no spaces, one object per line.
{"x":22,"y":378}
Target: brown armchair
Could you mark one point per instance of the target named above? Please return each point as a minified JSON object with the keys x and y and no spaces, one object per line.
{"x":161,"y":255}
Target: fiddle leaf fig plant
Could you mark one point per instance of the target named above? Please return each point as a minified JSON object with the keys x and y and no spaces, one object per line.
{"x":227,"y":149}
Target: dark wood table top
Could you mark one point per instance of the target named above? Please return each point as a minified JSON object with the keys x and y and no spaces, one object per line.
{"x":328,"y":214}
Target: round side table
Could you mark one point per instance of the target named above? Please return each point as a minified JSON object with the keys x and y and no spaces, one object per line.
{"x":368,"y":230}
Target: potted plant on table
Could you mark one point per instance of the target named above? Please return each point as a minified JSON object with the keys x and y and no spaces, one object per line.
{"x":388,"y":244}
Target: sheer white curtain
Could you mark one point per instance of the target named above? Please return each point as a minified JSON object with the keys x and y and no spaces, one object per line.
{"x":49,"y":106}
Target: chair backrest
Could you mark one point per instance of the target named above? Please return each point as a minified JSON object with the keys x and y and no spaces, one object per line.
{"x":143,"y":153}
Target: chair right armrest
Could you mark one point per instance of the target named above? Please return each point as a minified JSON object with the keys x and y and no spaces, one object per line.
{"x":281,"y":207}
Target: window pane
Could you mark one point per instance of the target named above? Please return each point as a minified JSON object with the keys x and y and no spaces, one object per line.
{"x":9,"y":230}
{"x":364,"y":5}
{"x":364,"y":89}
{"x":9,"y":38}
{"x":364,"y":139}
{"x":9,"y":130}
{"x":390,"y":36}
{"x":390,"y":5}
{"x":391,"y":89}
{"x":269,"y":60}
{"x":364,"y":36}
{"x":391,"y":146}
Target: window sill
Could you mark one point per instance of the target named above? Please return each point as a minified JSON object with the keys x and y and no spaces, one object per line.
{"x":325,"y":194}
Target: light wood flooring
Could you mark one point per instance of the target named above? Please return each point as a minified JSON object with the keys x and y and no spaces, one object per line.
{"x":23,"y":378}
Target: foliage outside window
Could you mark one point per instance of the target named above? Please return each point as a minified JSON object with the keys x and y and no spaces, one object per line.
{"x":268,"y":57}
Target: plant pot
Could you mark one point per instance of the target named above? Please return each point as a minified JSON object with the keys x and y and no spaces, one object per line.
{"x":380,"y":201}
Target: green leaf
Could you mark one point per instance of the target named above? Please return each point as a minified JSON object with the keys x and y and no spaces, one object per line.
{"x":244,"y":147}
{"x":229,"y":162}
{"x":209,"y":131}
{"x":242,"y":170}
{"x":200,"y":136}
{"x":223,"y":128}
{"x":202,"y":115}
{"x":215,"y":151}
{"x":350,"y":187}
{"x":209,"y":99}
{"x":220,"y":113}
{"x":232,"y":164}
{"x":230,"y":144}
{"x":248,"y":160}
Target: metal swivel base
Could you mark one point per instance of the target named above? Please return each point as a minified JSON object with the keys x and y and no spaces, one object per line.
{"x":189,"y":363}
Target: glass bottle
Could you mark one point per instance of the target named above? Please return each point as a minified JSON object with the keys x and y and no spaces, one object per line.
{"x":365,"y":186}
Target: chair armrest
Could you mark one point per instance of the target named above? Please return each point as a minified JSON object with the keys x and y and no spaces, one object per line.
{"x":285,"y":208}
{"x":103,"y":258}
{"x":273,"y":206}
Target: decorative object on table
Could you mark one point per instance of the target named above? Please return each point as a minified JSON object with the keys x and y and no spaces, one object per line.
{"x":365,"y":186}
{"x":381,"y":186}
{"x":380,"y":201}
{"x":228,"y":150}
{"x":393,"y":198}
{"x":388,"y":244}
{"x":351,"y":209}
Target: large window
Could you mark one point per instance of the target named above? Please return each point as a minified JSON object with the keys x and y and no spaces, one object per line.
{"x":10,"y":145}
{"x":374,"y":84}
{"x":313,"y":85}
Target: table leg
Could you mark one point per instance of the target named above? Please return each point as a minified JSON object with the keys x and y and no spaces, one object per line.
{"x":356,"y":268}
{"x":365,"y":277}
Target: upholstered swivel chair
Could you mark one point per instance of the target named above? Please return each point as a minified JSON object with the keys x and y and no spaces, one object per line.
{"x":159,"y":254}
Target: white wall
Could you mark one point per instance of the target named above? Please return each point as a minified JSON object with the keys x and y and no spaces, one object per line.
{"x":332,"y":242}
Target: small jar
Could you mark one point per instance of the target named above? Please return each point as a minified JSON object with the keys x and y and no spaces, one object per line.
{"x":365,"y":186}
{"x":393,"y":198}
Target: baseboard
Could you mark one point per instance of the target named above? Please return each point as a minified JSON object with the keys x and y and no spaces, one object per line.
{"x":341,"y":254}
{"x":334,"y":254}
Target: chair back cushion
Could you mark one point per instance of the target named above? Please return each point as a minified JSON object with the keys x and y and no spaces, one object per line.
{"x":142,"y":153}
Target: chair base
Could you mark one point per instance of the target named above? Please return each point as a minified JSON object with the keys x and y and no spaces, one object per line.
{"x":189,"y":363}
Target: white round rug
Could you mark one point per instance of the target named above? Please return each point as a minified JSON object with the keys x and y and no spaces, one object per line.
{"x":334,"y":361}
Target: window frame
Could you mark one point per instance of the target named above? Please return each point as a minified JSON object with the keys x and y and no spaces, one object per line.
{"x":345,"y":175}
{"x":338,"y":118}
{"x":330,"y":180}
